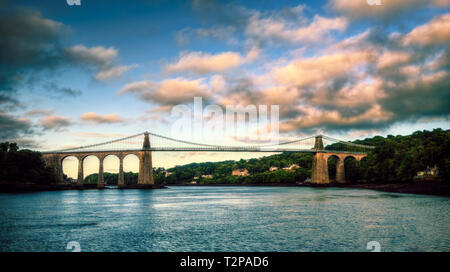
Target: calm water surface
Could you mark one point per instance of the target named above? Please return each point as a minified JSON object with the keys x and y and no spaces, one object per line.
{"x":224,"y":219}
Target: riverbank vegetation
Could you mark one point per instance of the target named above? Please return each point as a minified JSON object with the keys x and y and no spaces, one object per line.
{"x":23,"y":166}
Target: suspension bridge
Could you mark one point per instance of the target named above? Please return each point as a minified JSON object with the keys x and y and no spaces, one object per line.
{"x":143,"y":144}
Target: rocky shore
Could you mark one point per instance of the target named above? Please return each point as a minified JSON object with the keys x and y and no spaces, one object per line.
{"x":436,"y":187}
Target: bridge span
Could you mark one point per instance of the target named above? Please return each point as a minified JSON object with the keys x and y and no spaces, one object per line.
{"x":121,"y":148}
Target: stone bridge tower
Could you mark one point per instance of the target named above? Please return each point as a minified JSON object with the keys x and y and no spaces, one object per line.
{"x":320,"y":163}
{"x":145,"y":163}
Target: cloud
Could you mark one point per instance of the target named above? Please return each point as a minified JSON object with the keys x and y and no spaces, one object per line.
{"x":203,"y":63}
{"x":55,"y":122}
{"x":387,"y":9}
{"x":39,"y":112}
{"x":113,"y":73}
{"x":69,"y":91}
{"x":393,"y":58}
{"x":27,"y":143}
{"x":13,"y":127}
{"x":305,"y":72}
{"x":435,"y":32}
{"x":168,"y":92}
{"x":97,"y":135}
{"x":314,"y":118}
{"x":93,"y":117}
{"x":32,"y":50}
{"x":287,"y":26}
{"x":8,"y":103}
{"x":30,"y":46}
{"x":371,"y":80}
{"x":274,"y":30}
{"x":99,"y":58}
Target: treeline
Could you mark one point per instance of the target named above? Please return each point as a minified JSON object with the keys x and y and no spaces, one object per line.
{"x":112,"y":178}
{"x":399,"y":158}
{"x":23,"y":166}
{"x":258,"y":170}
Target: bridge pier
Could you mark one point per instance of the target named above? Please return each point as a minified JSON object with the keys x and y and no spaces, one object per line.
{"x":121,"y":182}
{"x":319,"y":173}
{"x":80,"y":179}
{"x":340,"y":170}
{"x":145,"y":175}
{"x":55,"y":162}
{"x":101,"y":181}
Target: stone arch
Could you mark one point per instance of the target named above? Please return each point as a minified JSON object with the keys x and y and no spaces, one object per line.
{"x":351,"y":166}
{"x":111,"y":165}
{"x":131,"y":163}
{"x":91,"y":164}
{"x":332,"y":164}
{"x":69,"y":166}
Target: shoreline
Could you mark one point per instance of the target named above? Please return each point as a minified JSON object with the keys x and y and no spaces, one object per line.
{"x":435,"y":187}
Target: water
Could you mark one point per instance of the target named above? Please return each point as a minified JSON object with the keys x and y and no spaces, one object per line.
{"x":224,"y":219}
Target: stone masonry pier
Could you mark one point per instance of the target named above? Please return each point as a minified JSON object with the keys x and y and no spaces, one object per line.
{"x":320,"y":163}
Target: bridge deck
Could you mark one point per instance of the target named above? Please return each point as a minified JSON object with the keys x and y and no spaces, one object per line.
{"x":208,"y":150}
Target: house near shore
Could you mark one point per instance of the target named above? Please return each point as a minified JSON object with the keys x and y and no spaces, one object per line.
{"x":240,"y":172}
{"x":292,"y":167}
{"x":273,"y":168}
{"x":207,"y":176}
{"x":72,"y":180}
{"x":429,"y":172}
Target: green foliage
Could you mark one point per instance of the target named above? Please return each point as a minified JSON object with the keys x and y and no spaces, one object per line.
{"x":23,"y":166}
{"x":399,"y":158}
{"x":257,"y":168}
{"x":112,"y":178}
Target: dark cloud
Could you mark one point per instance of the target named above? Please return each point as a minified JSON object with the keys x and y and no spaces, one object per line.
{"x":59,"y":92}
{"x":69,"y":91}
{"x":29,"y":43}
{"x":419,"y":100}
{"x":8,"y":103}
{"x":13,"y":127}
{"x":31,"y":49}
{"x":27,"y":143}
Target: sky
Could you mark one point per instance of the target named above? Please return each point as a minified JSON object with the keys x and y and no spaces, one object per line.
{"x":73,"y":75}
